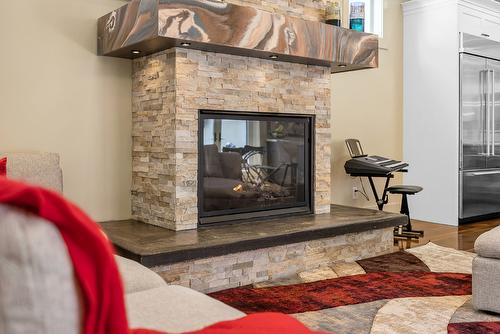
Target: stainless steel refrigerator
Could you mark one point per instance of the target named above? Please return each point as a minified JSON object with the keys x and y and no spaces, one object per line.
{"x":479,"y":175}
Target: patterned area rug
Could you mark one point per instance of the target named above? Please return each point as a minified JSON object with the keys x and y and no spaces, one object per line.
{"x":421,"y":290}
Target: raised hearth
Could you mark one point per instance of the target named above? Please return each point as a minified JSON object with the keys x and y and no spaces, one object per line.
{"x":152,"y":246}
{"x":218,"y":257}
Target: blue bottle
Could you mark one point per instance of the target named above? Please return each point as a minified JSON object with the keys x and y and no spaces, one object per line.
{"x":357,"y":16}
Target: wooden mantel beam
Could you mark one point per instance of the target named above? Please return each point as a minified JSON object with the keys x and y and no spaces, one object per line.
{"x":150,"y":26}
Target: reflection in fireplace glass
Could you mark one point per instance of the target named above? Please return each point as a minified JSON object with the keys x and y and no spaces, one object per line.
{"x":253,"y":163}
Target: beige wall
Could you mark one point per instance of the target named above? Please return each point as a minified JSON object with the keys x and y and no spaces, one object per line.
{"x":56,"y":95}
{"x":368,"y":105}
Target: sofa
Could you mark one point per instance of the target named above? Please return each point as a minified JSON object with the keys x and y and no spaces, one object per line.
{"x":38,"y":291}
{"x":222,"y":173}
{"x":486,"y":272}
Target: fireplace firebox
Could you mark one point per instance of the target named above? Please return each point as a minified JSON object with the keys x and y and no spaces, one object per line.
{"x":253,"y":165}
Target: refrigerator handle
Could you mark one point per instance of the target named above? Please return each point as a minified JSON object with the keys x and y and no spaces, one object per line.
{"x":484,"y":113}
{"x":486,"y":92}
{"x":492,"y":113}
{"x":494,"y":172}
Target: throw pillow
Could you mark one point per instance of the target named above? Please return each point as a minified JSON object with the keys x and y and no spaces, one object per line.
{"x":3,"y":166}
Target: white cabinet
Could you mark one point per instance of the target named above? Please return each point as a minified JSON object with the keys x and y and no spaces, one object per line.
{"x":470,"y":21}
{"x":478,"y":20}
{"x":431,"y":97}
{"x":490,"y":28}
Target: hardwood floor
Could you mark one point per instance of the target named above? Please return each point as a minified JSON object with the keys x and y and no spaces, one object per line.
{"x":461,"y":237}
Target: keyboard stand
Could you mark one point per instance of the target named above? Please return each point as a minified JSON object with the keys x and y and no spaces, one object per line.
{"x":381,"y":201}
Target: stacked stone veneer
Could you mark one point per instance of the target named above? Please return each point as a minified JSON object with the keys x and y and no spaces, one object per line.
{"x":275,"y":263}
{"x":169,"y":89}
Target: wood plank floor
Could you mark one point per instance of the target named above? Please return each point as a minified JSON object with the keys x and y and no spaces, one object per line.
{"x":461,"y":237}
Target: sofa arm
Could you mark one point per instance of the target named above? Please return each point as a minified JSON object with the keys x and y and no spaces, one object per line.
{"x":39,"y":292}
{"x":136,"y":277}
{"x":485,"y":292}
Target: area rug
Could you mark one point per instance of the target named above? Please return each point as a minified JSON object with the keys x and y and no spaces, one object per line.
{"x":426,"y":289}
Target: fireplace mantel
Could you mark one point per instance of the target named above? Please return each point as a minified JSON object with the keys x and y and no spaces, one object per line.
{"x":144,"y":27}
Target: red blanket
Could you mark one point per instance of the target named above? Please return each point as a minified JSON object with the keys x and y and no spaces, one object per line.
{"x":257,"y":323}
{"x":97,"y":273}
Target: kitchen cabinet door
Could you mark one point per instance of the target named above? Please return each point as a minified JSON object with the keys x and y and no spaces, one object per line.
{"x":490,"y":28}
{"x":470,"y":21}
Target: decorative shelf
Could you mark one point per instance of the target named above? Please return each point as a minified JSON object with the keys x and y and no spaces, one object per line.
{"x":150,"y":26}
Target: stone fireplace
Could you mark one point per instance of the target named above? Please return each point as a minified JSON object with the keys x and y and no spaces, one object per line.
{"x":169,"y":90}
{"x":264,"y":68}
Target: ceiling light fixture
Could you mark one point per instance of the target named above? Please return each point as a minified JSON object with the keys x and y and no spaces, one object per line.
{"x":185,"y":44}
{"x":342,"y":65}
{"x":273,"y":56}
{"x":136,"y":52}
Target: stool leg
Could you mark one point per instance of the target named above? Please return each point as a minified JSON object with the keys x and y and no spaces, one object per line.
{"x":405,"y":210}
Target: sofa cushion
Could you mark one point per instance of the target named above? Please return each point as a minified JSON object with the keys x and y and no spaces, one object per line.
{"x":41,"y":169}
{"x":213,"y":166}
{"x":176,"y":309}
{"x":136,"y":277}
{"x":216,"y":187}
{"x":488,"y":244}
{"x":38,"y":291}
{"x":231,"y":165}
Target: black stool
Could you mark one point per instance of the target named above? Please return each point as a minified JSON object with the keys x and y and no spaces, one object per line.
{"x":406,"y":232}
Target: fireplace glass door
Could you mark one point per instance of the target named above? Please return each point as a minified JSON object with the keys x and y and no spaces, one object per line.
{"x":253,"y":165}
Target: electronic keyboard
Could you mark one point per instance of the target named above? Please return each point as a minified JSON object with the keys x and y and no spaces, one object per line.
{"x":373,"y":165}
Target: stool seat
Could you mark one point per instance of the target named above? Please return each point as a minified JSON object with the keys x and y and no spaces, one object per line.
{"x":403,"y":189}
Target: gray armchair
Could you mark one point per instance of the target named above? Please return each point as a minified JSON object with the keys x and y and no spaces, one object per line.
{"x":486,"y":272}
